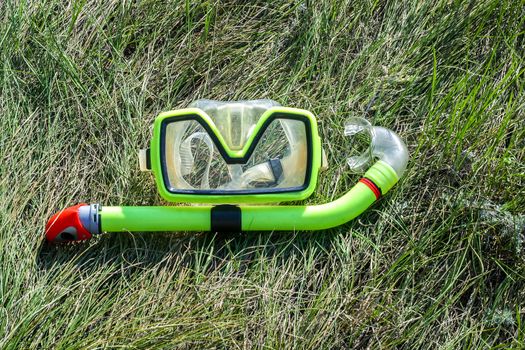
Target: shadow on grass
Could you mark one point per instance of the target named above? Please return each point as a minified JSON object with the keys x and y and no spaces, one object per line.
{"x":205,"y":252}
{"x":150,"y":249}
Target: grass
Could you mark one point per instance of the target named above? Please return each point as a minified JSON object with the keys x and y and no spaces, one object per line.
{"x":438,"y":263}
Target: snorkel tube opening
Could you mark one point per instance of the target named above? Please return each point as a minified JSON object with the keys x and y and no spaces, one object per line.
{"x":76,"y":223}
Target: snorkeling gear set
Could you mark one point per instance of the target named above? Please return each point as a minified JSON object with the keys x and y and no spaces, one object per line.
{"x":229,"y":155}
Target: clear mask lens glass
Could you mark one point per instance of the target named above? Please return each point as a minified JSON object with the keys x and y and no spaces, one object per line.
{"x":193,"y":161}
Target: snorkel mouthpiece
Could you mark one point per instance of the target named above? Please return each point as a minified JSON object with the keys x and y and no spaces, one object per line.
{"x":224,"y":154}
{"x":385,"y":145}
{"x":76,"y":223}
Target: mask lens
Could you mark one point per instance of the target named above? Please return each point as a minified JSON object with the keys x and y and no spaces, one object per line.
{"x":193,"y":160}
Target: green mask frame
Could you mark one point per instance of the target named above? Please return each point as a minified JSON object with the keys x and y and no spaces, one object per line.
{"x":299,"y":187}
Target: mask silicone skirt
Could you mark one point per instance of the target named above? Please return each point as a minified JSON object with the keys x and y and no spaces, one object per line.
{"x":230,"y":155}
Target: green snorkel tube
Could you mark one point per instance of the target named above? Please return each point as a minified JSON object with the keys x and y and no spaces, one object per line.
{"x":230,"y":155}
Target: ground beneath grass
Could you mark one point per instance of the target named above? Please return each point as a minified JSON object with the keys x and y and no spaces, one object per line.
{"x":438,"y":263}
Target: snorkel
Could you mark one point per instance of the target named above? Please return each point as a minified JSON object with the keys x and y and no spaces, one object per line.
{"x":232,"y":155}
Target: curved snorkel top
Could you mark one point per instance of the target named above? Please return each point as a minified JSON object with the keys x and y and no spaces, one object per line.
{"x":386,"y":151}
{"x":388,"y":147}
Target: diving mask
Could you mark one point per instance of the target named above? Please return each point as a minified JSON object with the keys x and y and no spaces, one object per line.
{"x":234,"y":152}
